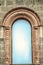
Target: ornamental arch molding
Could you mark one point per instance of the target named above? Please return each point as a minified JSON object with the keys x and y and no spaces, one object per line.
{"x":10,"y":17}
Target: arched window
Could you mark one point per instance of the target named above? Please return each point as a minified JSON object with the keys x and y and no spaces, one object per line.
{"x":21,"y":36}
{"x":21,"y":42}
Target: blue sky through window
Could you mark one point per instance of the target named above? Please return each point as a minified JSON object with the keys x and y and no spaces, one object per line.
{"x":21,"y":42}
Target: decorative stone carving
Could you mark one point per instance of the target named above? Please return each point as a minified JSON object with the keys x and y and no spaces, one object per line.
{"x":10,"y":17}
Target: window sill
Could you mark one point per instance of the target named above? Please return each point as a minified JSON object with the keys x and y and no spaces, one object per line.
{"x":24,"y":64}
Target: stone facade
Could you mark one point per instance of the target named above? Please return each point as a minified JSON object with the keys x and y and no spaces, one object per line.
{"x":6,"y":6}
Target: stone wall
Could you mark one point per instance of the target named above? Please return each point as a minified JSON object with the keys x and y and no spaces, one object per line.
{"x":7,"y":5}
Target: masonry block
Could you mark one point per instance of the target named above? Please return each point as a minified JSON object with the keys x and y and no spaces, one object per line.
{"x":41,"y":40}
{"x":9,"y":2}
{"x":2,"y":52}
{"x":40,"y":2}
{"x":2,"y":2}
{"x":19,"y":2}
{"x":6,"y":9}
{"x":7,"y":5}
{"x":1,"y":32}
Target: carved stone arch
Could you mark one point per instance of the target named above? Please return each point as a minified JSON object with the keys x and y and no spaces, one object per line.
{"x":10,"y":17}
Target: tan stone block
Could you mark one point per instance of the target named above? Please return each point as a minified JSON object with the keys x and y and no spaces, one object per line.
{"x":19,"y":2}
{"x":1,"y":21}
{"x":2,"y":15}
{"x":2,"y":2}
{"x":41,"y":2}
{"x":41,"y":63}
{"x":1,"y":32}
{"x":41,"y":60}
{"x":40,"y":31}
{"x":6,"y":9}
{"x":41,"y":40}
{"x":0,"y":9}
{"x":9,"y":2}
{"x":42,"y":20}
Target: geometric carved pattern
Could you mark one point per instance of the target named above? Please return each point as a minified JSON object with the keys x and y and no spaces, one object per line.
{"x":10,"y":17}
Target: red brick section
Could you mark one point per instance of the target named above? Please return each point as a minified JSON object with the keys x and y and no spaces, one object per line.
{"x":8,"y":21}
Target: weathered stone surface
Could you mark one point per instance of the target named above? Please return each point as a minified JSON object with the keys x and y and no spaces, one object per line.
{"x":6,"y":9}
{"x":1,"y":15}
{"x":7,"y":5}
{"x":9,"y":2}
{"x":40,"y":1}
{"x":41,"y":60}
{"x":2,"y":52}
{"x":41,"y":40}
{"x":19,"y":2}
{"x":41,"y":57}
{"x":1,"y":2}
{"x":1,"y":21}
{"x":1,"y":32}
{"x":41,"y":21}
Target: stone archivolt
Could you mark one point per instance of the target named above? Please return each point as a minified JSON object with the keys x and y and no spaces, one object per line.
{"x":10,"y":17}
